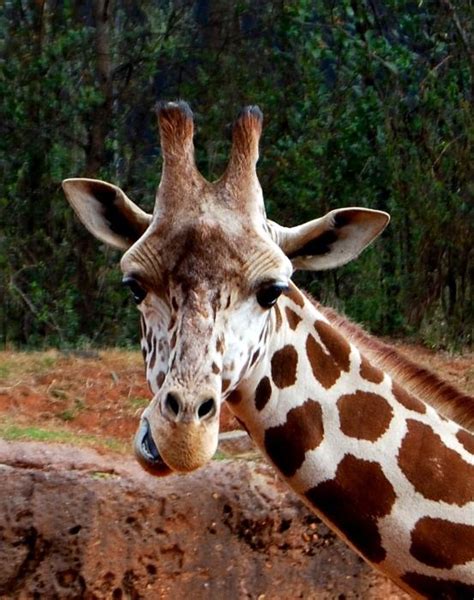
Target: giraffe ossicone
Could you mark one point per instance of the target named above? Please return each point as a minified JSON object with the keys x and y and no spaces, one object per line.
{"x":379,"y":448}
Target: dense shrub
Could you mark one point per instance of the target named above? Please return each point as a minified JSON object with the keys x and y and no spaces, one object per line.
{"x":366,"y":103}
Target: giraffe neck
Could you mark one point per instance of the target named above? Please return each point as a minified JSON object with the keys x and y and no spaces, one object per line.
{"x":390,"y":474}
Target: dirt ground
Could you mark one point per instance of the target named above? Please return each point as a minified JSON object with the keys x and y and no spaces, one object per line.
{"x":90,"y":399}
{"x":95,"y":399}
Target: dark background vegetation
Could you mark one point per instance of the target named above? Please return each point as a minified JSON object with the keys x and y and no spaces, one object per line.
{"x":366,"y":102}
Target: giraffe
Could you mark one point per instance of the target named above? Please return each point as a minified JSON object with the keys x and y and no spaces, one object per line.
{"x":380,"y":449}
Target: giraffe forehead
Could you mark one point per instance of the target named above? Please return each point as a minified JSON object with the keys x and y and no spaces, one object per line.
{"x":205,"y":252}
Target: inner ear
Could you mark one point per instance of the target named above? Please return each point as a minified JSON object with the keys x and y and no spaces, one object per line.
{"x":332,"y":240}
{"x":106,"y":211}
{"x":316,"y":246}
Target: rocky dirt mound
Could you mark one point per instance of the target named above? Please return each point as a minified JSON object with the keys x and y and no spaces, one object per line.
{"x":76,"y":524}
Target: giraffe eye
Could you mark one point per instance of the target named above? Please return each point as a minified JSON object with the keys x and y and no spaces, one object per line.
{"x":138,"y":292}
{"x":269,"y":293}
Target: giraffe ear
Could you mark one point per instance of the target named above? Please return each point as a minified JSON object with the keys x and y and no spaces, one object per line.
{"x":332,"y":240}
{"x":106,"y":211}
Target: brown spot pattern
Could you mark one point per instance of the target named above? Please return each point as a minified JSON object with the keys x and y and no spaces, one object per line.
{"x":354,"y":500}
{"x":234,"y":397}
{"x":364,"y":415}
{"x":439,"y":589}
{"x":215,"y":369}
{"x":294,"y":294}
{"x":466,"y":439}
{"x":151,"y":364}
{"x":369,"y":372}
{"x":337,"y":346}
{"x":160,"y":379}
{"x":442,"y":544}
{"x":434,"y":470}
{"x":225,"y":384}
{"x":284,"y":363}
{"x":255,"y":355}
{"x":407,"y":400}
{"x":173,"y":340}
{"x":263,"y":393}
{"x":172,"y":323}
{"x":149,"y":339}
{"x":303,"y":430}
{"x":292,"y":318}
{"x":278,"y":318}
{"x":219,"y":346}
{"x":323,"y":366}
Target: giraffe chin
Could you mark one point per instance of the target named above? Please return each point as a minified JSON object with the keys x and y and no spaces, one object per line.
{"x":147,"y":453}
{"x":187,"y":447}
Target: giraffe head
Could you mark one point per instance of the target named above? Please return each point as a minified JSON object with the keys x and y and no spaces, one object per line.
{"x":205,"y":270}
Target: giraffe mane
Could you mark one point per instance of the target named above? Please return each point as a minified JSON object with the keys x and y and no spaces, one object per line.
{"x":420,"y":381}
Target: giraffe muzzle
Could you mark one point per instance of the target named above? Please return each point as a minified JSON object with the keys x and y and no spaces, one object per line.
{"x":176,"y":435}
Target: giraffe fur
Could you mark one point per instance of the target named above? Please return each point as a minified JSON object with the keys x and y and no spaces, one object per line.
{"x":391,"y":470}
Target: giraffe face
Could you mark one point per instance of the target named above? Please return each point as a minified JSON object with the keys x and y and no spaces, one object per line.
{"x":205,"y":269}
{"x":202,"y":322}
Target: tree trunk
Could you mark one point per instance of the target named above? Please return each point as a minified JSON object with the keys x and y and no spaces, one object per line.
{"x":102,"y":116}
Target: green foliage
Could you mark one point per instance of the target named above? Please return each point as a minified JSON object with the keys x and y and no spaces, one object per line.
{"x":365,"y":103}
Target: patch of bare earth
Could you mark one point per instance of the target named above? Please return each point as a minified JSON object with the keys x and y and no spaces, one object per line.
{"x":96,"y":395}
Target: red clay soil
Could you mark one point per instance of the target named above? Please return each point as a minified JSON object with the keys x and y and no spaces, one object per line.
{"x":103,"y":393}
{"x":99,"y":394}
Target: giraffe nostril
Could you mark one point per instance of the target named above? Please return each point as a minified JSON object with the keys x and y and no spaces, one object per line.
{"x":172,"y":404}
{"x":208,"y":407}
